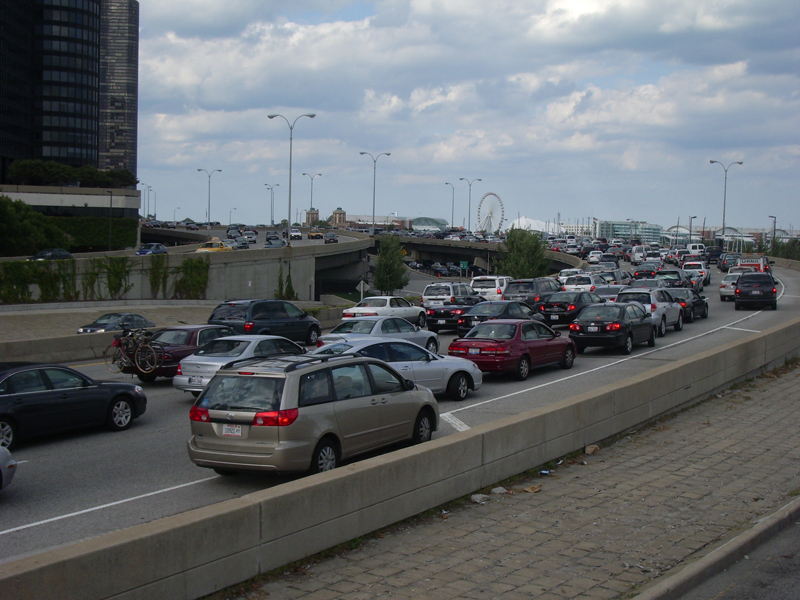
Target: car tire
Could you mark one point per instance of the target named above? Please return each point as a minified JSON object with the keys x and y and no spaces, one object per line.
{"x":8,"y":433}
{"x":690,"y":316}
{"x":421,"y":320}
{"x":736,"y":305}
{"x":705,"y":313}
{"x":325,"y":457}
{"x":120,"y":414}
{"x":432,"y":346}
{"x":147,"y":377}
{"x":722,"y":298}
{"x":628,"y":347}
{"x":651,"y":341}
{"x":774,"y":306}
{"x":662,"y":327}
{"x":580,"y":349}
{"x":433,"y":328}
{"x":569,"y":358}
{"x":225,"y":472}
{"x":523,"y":369}
{"x":423,"y":427}
{"x":458,"y":387}
{"x":679,"y":323}
{"x":312,"y":336}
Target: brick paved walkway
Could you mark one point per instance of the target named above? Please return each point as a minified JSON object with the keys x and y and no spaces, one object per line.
{"x":600,"y":527}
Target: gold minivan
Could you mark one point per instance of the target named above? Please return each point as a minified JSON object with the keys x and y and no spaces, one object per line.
{"x":304,"y":413}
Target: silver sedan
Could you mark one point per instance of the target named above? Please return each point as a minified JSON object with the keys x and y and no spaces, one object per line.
{"x":449,"y":375}
{"x":393,"y":327}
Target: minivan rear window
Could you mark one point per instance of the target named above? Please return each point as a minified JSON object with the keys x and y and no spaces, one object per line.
{"x":245,"y":393}
{"x":516,"y":288}
{"x":228,"y":312}
{"x":437,"y":290}
{"x":484,"y":284}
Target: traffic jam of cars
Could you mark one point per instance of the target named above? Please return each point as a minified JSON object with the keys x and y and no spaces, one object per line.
{"x":273,"y":392}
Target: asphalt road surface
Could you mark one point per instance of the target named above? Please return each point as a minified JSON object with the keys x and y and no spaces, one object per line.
{"x":84,"y":484}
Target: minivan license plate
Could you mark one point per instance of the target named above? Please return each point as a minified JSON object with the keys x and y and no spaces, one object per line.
{"x":231,"y":430}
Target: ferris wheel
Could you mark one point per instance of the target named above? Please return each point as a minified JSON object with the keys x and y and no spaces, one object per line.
{"x":490,"y":213}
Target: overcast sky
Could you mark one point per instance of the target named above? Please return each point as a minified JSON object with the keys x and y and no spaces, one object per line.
{"x":591,"y":108}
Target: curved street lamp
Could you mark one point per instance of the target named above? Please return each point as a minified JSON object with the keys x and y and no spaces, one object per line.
{"x":774,"y":222}
{"x":208,"y":214}
{"x":272,"y":202}
{"x":291,"y":135}
{"x":725,"y":191}
{"x":452,"y":205}
{"x":374,"y":175}
{"x":230,"y":216}
{"x":173,"y":214}
{"x":469,"y":209}
{"x":690,"y":227}
{"x":311,"y":177}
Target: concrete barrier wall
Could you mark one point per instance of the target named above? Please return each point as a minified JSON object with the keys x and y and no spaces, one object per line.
{"x":204,"y":550}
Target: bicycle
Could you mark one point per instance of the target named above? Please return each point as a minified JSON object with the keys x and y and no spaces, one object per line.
{"x":132,"y":349}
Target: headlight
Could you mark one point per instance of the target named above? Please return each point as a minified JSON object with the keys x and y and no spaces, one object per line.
{"x":99,"y":330}
{"x":139,"y":390}
{"x":80,"y":330}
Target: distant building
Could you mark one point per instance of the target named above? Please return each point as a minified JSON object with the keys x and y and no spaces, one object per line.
{"x":339,"y":218}
{"x":312,"y":216}
{"x":626,"y":230}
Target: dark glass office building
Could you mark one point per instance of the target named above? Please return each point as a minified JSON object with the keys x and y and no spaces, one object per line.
{"x":66,"y":67}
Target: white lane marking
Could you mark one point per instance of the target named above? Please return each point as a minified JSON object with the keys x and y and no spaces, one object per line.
{"x":617,"y":362}
{"x":110,"y":504}
{"x":455,"y":422}
{"x":742,"y":329}
{"x":22,"y":462}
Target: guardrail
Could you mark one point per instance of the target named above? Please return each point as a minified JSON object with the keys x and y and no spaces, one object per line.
{"x":192,"y":554}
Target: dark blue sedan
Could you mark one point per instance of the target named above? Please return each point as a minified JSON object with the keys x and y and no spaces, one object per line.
{"x":151,"y":249}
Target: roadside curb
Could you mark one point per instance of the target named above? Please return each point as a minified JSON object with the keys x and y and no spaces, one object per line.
{"x":676,"y":586}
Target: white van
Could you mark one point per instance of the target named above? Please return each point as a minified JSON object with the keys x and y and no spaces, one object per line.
{"x":695,"y":249}
{"x":639,"y":254}
{"x":490,"y":287}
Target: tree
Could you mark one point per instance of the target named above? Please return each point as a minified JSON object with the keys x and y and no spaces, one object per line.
{"x":24,"y":231}
{"x":38,"y":172}
{"x":523,"y":256}
{"x":390,"y":270}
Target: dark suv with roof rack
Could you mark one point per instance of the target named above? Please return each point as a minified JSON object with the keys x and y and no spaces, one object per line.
{"x":267,"y":317}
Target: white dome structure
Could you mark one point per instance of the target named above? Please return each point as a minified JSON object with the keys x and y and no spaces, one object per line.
{"x":527,"y":224}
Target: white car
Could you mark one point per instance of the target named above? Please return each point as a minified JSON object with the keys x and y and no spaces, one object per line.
{"x":452,"y":375}
{"x":197,"y":369}
{"x":594,"y":257}
{"x":727,"y":287}
{"x":386,"y":306}
{"x":490,"y":287}
{"x":564,"y":273}
{"x":371,"y":327}
{"x":583,"y":283}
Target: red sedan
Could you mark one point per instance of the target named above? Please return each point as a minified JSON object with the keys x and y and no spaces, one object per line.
{"x":514,"y":346}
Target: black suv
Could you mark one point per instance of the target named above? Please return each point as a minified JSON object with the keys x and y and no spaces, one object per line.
{"x":756,"y":288}
{"x":531,"y":291}
{"x":267,"y":317}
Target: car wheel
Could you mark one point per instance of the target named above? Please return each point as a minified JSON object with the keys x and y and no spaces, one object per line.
{"x":523,"y":369}
{"x":433,"y":328}
{"x":651,"y":341}
{"x":8,"y":433}
{"x":569,"y":358}
{"x":628,"y":347}
{"x":662,"y":327}
{"x":146,"y":377}
{"x":312,"y":336}
{"x":580,"y":349}
{"x":325,"y":457}
{"x":705,"y":312}
{"x":421,"y":320}
{"x":423,"y":427}
{"x":225,"y":472}
{"x":432,"y":346}
{"x":194,"y":393}
{"x":736,"y":305}
{"x":120,"y":415}
{"x":458,"y":387}
{"x":722,"y":298}
{"x":690,"y":316}
{"x":679,"y":323}
{"x":774,"y":306}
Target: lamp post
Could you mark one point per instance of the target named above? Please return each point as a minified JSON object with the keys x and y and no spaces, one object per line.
{"x":452,"y":205}
{"x":291,"y":135}
{"x":230,"y":216}
{"x":149,"y":189}
{"x":374,"y":175}
{"x":774,"y":221}
{"x":690,"y":227}
{"x":141,"y":198}
{"x":208,"y":213}
{"x":272,"y":202}
{"x":110,"y":211}
{"x":311,"y":177}
{"x":174,"y":220}
{"x":155,"y":205}
{"x":469,"y":208}
{"x":725,"y":191}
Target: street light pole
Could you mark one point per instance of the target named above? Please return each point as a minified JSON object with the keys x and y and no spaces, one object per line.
{"x":173,"y":214}
{"x":374,"y":175}
{"x":230,"y":217}
{"x":310,"y":176}
{"x":291,"y":135}
{"x":774,"y":220}
{"x":155,"y":205}
{"x":725,"y":191}
{"x":452,"y":205}
{"x":690,"y":227}
{"x":208,"y":214}
{"x":149,"y":189}
{"x":272,"y":202}
{"x":110,"y":215}
{"x":469,"y":208}
{"x":143,"y":206}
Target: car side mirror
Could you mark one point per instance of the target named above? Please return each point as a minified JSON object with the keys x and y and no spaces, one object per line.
{"x":557,"y":334}
{"x":648,"y":315}
{"x":408,"y":384}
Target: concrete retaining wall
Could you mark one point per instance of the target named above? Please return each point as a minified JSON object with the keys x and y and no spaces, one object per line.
{"x":204,"y":550}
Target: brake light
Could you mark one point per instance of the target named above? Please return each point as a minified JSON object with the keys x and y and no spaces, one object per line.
{"x":462,"y":321}
{"x":179,"y":372}
{"x":683,"y":304}
{"x":199,"y":414}
{"x":249,"y":326}
{"x":563,"y":288}
{"x":653,"y":308}
{"x":280,"y":418}
{"x":541,"y":307}
{"x":737,"y":291}
{"x":431,"y":312}
{"x":457,"y":311}
{"x":613,"y":327}
{"x":456,"y":350}
{"x":503,"y":297}
{"x":320,"y":343}
{"x":570,"y":307}
{"x":495,"y":350}
{"x":536,"y":298}
{"x":348,"y":315}
{"x":774,"y":291}
{"x":591,"y":289}
{"x":452,"y":299}
{"x":575,"y":327}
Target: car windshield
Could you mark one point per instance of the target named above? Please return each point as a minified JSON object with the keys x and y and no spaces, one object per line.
{"x":601,"y":313}
{"x":223,"y":348}
{"x":373,"y":302}
{"x":564,"y":297}
{"x":354,"y":326}
{"x":109,"y":318}
{"x":522,"y":286}
{"x":487,"y":309}
{"x":437,"y":290}
{"x":495,"y":331}
{"x":251,"y":394}
{"x":172,"y":337}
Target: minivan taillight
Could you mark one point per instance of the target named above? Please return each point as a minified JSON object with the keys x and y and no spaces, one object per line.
{"x":249,"y":326}
{"x":199,"y":414}
{"x":280,"y":418}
